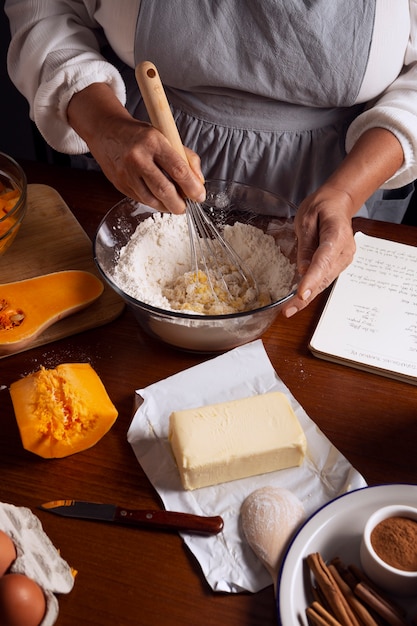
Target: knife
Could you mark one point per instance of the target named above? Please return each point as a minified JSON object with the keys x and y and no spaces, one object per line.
{"x":160,"y":519}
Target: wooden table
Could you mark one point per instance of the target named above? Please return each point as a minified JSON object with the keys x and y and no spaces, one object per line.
{"x":130,"y":577}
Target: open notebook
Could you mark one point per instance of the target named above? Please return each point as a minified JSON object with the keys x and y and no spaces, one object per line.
{"x":370,"y":319}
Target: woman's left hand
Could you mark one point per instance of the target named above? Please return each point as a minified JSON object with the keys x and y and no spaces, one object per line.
{"x":323,"y":222}
{"x":326,"y":246}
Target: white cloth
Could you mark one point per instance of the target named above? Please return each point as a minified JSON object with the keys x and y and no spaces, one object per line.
{"x":55,"y":52}
{"x":37,"y":557}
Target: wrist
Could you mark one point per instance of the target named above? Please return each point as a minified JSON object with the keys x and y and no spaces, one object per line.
{"x":94,"y":108}
{"x":376,"y":157}
{"x":327,"y":201}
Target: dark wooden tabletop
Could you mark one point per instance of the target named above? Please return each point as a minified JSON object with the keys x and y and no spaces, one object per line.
{"x":128,"y":577}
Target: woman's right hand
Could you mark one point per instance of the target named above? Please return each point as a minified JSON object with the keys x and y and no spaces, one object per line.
{"x":133,"y":155}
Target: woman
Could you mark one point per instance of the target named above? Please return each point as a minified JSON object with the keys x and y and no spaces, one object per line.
{"x":315,"y":101}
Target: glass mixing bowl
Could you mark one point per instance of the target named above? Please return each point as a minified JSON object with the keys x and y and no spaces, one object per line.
{"x":13,"y":201}
{"x":227,"y":202}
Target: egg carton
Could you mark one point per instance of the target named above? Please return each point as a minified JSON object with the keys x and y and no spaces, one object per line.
{"x":37,"y":557}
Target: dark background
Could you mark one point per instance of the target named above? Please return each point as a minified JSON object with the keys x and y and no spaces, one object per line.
{"x":18,"y":135}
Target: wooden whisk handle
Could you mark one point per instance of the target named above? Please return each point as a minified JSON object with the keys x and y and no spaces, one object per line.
{"x":157,"y":104}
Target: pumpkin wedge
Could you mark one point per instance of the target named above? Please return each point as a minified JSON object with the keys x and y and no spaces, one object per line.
{"x":28,"y":307}
{"x":62,"y":411}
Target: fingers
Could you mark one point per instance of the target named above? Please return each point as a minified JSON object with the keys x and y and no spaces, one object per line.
{"x":140,"y":162}
{"x":160,"y":177}
{"x":161,"y":196}
{"x":325,"y":248}
{"x":185,"y":179}
{"x":152,"y":181}
{"x":195,"y":164}
{"x":326,"y":265}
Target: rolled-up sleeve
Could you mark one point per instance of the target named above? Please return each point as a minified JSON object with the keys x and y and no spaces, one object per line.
{"x":396,"y":110}
{"x":53,"y":54}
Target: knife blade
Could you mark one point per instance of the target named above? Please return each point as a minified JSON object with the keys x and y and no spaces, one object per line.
{"x":159,"y":519}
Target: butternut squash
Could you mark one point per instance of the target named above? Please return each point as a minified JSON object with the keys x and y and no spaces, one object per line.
{"x":28,"y":307}
{"x":62,"y":411}
{"x":8,"y":199}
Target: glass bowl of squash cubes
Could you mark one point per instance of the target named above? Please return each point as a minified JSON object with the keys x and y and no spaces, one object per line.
{"x":13,"y":200}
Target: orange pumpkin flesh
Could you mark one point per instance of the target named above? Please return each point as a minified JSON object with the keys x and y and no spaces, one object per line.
{"x":62,"y":411}
{"x":28,"y":307}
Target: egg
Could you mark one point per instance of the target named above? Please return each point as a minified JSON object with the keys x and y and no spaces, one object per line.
{"x":7,"y":552}
{"x":22,"y":601}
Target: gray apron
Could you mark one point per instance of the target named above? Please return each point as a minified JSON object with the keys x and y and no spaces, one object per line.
{"x":264,"y":90}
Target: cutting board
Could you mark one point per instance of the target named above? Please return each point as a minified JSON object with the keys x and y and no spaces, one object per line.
{"x":50,"y":240}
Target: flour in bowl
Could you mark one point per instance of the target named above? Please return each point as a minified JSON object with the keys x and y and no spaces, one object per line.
{"x":155,"y":267}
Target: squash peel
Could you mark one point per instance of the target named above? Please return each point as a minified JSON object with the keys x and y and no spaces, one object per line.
{"x":28,"y":307}
{"x":62,"y":411}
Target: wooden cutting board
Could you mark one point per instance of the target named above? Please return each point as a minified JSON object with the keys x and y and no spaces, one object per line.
{"x":50,"y":240}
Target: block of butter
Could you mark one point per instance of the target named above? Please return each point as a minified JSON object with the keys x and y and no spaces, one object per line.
{"x":231,"y":440}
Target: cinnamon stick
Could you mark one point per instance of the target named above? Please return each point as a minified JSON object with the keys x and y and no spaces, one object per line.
{"x":353,"y":575}
{"x":356,"y":605}
{"x":335,"y":598}
{"x":319,"y":597}
{"x":349,"y":575}
{"x":361,"y":577}
{"x":318,"y":616}
{"x":379,"y":604}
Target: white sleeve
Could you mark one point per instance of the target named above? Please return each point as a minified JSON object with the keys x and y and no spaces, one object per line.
{"x":396,"y":110}
{"x":54,"y":53}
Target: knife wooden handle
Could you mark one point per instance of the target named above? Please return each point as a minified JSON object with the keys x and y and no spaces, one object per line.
{"x":170,"y":520}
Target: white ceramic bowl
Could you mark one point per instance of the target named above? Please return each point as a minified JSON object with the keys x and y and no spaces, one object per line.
{"x":397,"y":581}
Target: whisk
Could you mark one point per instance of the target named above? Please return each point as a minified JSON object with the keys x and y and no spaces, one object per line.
{"x":210,"y":252}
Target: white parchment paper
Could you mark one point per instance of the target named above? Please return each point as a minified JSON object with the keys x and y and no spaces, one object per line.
{"x":228,"y":563}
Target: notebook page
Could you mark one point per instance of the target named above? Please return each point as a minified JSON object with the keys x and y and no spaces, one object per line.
{"x":371,"y":315}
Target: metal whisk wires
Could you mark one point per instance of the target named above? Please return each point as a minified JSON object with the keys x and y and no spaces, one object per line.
{"x":212,"y":254}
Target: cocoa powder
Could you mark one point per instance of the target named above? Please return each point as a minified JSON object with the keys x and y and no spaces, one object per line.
{"x":395,"y":541}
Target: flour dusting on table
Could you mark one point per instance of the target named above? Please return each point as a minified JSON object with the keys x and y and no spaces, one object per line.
{"x":154,"y":265}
